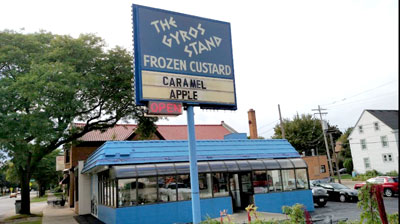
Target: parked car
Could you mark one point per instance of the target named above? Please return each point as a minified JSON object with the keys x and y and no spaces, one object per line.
{"x":320,"y":195}
{"x":13,"y":195}
{"x":339,"y":192}
{"x":390,"y":184}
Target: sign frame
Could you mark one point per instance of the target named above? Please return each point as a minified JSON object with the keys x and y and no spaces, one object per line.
{"x":215,"y":55}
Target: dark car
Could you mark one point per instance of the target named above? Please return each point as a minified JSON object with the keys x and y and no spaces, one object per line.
{"x":339,"y":192}
{"x":320,"y":195}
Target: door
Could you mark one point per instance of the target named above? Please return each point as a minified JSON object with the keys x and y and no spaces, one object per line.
{"x":241,"y":190}
{"x":246,"y":189}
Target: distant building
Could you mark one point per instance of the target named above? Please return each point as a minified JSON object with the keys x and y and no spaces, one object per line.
{"x":317,"y":167}
{"x":374,"y":141}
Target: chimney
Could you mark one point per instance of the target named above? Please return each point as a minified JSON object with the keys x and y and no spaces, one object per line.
{"x":252,"y":124}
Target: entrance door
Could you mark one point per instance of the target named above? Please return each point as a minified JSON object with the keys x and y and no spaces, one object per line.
{"x":241,"y":190}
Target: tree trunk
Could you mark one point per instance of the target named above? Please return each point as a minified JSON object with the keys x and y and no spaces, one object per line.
{"x":25,"y":193}
{"x":42,"y":189}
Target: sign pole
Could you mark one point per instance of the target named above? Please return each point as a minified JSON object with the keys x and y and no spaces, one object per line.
{"x":194,"y":179}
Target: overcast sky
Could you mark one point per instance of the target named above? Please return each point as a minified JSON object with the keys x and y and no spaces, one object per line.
{"x":340,"y":54}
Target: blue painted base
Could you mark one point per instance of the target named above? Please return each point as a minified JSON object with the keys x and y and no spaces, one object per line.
{"x":173,"y":212}
{"x":273,"y":202}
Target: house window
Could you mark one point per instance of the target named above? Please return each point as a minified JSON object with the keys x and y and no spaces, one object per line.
{"x":384,"y":141}
{"x":323,"y":169}
{"x":360,"y":129}
{"x":376,"y":126}
{"x":387,"y":157}
{"x":367,"y":164}
{"x":67,"y":156}
{"x":363,"y":144}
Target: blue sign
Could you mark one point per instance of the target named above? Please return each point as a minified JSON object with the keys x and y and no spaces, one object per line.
{"x":182,"y":58}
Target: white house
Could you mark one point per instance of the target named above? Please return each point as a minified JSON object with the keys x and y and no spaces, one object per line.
{"x":374,"y":141}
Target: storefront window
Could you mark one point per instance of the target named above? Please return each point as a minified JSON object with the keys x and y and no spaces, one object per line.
{"x":205,"y":185}
{"x":126,"y":192}
{"x":147,"y":190}
{"x":260,"y":183}
{"x":301,"y":177}
{"x":167,"y":188}
{"x":274,"y":180}
{"x":288,"y":179}
{"x":220,"y":184}
{"x":184,"y":191}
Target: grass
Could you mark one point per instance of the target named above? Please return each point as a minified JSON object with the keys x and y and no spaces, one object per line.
{"x":344,"y":177}
{"x":39,"y":199}
{"x":25,"y":219}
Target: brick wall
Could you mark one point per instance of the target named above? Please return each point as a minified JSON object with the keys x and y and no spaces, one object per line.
{"x":314,"y":164}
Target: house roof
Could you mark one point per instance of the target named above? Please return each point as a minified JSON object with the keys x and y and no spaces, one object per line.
{"x":389,"y":117}
{"x":122,"y":132}
{"x":161,"y":151}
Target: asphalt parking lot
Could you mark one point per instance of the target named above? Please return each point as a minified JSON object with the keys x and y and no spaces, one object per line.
{"x":341,"y":211}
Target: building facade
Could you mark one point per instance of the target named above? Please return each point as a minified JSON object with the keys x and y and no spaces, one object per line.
{"x":130,"y":180}
{"x":91,"y":141}
{"x":374,"y":141}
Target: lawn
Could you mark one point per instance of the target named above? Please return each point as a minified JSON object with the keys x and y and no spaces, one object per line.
{"x":39,"y":199}
{"x":25,"y":219}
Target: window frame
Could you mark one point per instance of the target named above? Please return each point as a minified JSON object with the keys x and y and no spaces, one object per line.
{"x":360,"y":129}
{"x":365,"y":164}
{"x":384,"y":140}
{"x":376,"y":126}
{"x":363,"y":144}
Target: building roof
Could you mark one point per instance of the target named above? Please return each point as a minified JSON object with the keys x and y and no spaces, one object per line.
{"x":389,"y":117}
{"x":122,"y":132}
{"x":140,"y":152}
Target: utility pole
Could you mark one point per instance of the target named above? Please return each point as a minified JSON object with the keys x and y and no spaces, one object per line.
{"x":326,"y":141}
{"x":281,"y":123}
{"x":334,"y":157}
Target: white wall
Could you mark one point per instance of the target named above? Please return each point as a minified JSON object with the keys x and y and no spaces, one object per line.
{"x":94,"y":194}
{"x":84,"y":191}
{"x":374,"y":150}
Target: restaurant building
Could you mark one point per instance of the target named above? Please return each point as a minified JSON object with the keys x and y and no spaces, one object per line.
{"x":149,"y":181}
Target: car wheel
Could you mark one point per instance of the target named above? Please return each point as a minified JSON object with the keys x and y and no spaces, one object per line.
{"x":342,"y":198}
{"x":388,"y":192}
{"x":321,"y":204}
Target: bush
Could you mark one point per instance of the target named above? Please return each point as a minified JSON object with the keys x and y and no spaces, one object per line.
{"x":372,"y":173}
{"x":348,"y":164}
{"x":392,"y":173}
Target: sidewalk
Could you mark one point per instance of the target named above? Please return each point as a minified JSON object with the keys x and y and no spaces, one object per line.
{"x":58,"y":214}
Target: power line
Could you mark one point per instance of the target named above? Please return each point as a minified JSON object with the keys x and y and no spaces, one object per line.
{"x":266,"y":125}
{"x":346,"y":98}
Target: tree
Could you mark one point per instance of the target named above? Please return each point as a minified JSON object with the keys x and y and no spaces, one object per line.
{"x":305,"y":133}
{"x":49,"y":81}
{"x":45,"y":174}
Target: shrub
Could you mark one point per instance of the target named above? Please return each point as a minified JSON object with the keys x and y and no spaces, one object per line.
{"x":392,"y":173}
{"x":348,"y":164}
{"x":295,"y":213}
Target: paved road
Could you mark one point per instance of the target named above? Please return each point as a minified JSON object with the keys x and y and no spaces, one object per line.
{"x":339,"y":210}
{"x":7,"y":205}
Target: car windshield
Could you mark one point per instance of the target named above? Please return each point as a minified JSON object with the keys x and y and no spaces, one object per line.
{"x":339,"y":186}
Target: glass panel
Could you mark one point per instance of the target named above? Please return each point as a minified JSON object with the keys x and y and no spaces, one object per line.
{"x":285,"y":163}
{"x":299,"y":163}
{"x":257,"y":165}
{"x":220,"y":186}
{"x":203,"y":167}
{"x":124,"y":171}
{"x":301,"y":177}
{"x":235,"y":190}
{"x":271,"y":164}
{"x":147,"y":190}
{"x":217,"y":166}
{"x":260,"y":183}
{"x":274,"y":178}
{"x":146,"y":170}
{"x":184,"y":191}
{"x":182,"y":167}
{"x":232,"y":166}
{"x":126,"y":192}
{"x":166,"y":168}
{"x":288,"y":180}
{"x":205,"y":185}
{"x":167,"y":188}
{"x":244,"y":165}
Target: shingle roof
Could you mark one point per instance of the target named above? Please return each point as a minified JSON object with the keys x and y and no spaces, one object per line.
{"x":139,"y":152}
{"x":169,"y":132}
{"x":389,"y":117}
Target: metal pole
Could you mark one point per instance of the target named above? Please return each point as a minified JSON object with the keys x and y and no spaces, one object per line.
{"x":194,"y":179}
{"x":281,"y":123}
{"x":335,"y":158}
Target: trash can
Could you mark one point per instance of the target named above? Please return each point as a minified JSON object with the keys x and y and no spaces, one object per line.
{"x":17,"y":206}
